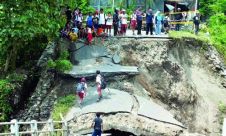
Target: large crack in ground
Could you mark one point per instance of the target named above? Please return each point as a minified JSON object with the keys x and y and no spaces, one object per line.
{"x":136,"y":106}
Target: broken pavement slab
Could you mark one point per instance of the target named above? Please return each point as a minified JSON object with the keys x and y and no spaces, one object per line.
{"x":121,"y":102}
{"x":154,"y":111}
{"x":88,"y":52}
{"x":88,"y":68}
{"x":112,"y":102}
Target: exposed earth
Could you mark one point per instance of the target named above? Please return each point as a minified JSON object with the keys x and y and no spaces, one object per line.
{"x":158,"y":87}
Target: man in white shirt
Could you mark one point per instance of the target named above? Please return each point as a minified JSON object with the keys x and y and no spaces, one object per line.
{"x":98,"y":83}
{"x":101,"y":19}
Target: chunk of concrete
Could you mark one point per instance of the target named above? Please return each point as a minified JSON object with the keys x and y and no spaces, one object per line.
{"x":116,"y":58}
{"x":88,"y":68}
{"x":88,"y":52}
{"x":154,"y":111}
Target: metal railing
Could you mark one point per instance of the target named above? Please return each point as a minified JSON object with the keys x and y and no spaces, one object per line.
{"x":34,"y":129}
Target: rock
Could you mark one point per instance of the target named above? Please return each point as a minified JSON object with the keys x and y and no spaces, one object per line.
{"x":224,"y":84}
{"x":223,"y":73}
{"x":116,"y":58}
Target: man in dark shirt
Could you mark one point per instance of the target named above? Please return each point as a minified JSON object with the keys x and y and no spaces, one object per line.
{"x":68,"y":14}
{"x":97,"y":125}
{"x":139,"y":21}
{"x":178,"y":18}
{"x":196,"y":21}
{"x":115,"y":22}
{"x":149,"y":22}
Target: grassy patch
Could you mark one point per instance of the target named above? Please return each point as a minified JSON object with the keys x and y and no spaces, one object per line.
{"x":222,"y":110}
{"x":185,"y":34}
{"x":62,"y":106}
{"x":220,"y":46}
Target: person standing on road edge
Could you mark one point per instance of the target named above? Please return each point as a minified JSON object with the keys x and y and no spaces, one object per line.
{"x":178,"y":18}
{"x":115,"y":22}
{"x":133,"y":22}
{"x":139,"y":21}
{"x":97,"y":125}
{"x":149,"y":22}
{"x":196,"y":21}
{"x":158,"y":23}
{"x":98,"y":83}
{"x":124,"y":22}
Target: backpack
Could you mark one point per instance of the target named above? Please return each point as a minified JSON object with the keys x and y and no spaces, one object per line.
{"x":80,"y":87}
{"x":103,"y":83}
{"x":90,"y":21}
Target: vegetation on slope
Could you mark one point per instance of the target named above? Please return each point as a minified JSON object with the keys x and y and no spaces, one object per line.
{"x":215,"y":11}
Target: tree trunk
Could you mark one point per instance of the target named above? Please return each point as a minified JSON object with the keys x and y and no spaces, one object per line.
{"x":7,"y":61}
{"x":11,"y":59}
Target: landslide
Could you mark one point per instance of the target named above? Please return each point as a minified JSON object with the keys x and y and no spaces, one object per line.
{"x":177,"y":75}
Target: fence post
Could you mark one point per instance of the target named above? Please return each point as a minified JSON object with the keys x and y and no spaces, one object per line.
{"x":34,"y":128}
{"x":65,"y":127}
{"x":224,"y":128}
{"x":51,"y":127}
{"x":14,"y":128}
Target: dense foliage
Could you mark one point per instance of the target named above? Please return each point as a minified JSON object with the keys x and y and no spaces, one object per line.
{"x":23,"y":23}
{"x":216,"y":13}
{"x":62,"y":106}
{"x":222,"y":112}
{"x":62,"y":64}
{"x":26,"y":28}
{"x":7,"y":87}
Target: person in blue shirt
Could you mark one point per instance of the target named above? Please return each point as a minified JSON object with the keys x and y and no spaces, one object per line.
{"x":149,"y":22}
{"x":97,"y":125}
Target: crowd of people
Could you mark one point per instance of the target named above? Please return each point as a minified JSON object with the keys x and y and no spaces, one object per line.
{"x":99,"y":23}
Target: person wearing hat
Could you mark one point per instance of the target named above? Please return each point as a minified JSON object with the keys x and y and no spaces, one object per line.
{"x":166,"y":25}
{"x":123,"y":18}
{"x":116,"y":21}
{"x":81,"y":90}
{"x":178,"y":18}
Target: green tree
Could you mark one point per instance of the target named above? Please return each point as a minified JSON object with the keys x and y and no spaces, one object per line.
{"x":22,"y":21}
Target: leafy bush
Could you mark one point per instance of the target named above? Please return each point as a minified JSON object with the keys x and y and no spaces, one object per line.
{"x":15,"y":77}
{"x":64,"y":55}
{"x":63,"y":65}
{"x":62,"y":106}
{"x":6,"y":88}
{"x":222,"y":110}
{"x":51,"y":64}
{"x":217,"y":25}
